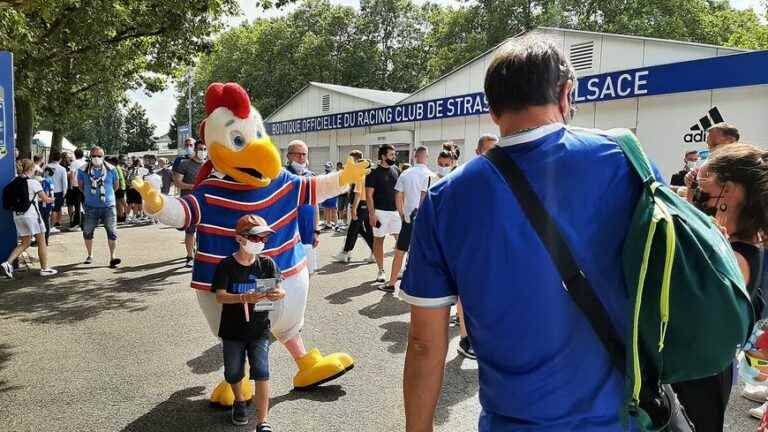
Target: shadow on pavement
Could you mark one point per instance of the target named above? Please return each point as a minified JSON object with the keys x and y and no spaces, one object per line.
{"x":330,"y":393}
{"x":458,"y":385}
{"x":208,"y":361}
{"x":345,"y":296}
{"x":5,"y":357}
{"x":183,"y":413}
{"x":53,"y":300}
{"x":334,"y":267}
{"x":395,"y":332}
{"x":388,"y":306}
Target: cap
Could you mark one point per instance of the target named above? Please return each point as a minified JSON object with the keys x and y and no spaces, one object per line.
{"x":252,"y":224}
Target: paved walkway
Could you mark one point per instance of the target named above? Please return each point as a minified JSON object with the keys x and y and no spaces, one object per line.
{"x":96,"y":349}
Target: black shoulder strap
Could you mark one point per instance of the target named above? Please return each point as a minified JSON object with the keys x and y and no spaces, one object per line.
{"x":574,"y":280}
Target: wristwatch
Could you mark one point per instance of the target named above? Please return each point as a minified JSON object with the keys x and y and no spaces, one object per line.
{"x":317,"y":231}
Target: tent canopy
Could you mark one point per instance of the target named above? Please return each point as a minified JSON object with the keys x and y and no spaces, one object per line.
{"x":42,"y":140}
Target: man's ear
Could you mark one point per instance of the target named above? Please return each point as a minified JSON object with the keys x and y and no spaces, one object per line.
{"x":565,"y":98}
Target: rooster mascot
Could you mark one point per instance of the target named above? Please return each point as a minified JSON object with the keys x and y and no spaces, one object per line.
{"x":245,"y":176}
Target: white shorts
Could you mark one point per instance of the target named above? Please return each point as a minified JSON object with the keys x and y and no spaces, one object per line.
{"x":28,"y":226}
{"x":286,"y":320}
{"x":311,"y":254}
{"x":390,"y":223}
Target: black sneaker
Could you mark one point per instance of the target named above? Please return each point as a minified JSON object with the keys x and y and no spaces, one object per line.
{"x":387,"y":288}
{"x":465,"y":349}
{"x":264,"y":427}
{"x":239,"y":416}
{"x":190,"y":262}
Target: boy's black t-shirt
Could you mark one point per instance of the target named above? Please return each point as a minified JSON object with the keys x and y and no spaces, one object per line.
{"x":383,"y":181}
{"x":236,"y":278}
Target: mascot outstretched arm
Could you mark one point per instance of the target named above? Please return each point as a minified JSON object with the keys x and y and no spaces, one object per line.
{"x":245,"y":176}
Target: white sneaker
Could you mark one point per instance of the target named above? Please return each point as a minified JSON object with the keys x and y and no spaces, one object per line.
{"x":342,"y":257}
{"x":381,"y":277}
{"x":371,"y":259}
{"x":758,"y":412}
{"x":755,"y":393}
{"x":48,"y":272}
{"x":54,"y":230}
{"x":7,"y":269}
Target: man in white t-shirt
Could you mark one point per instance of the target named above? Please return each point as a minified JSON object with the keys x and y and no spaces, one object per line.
{"x":408,"y":190}
{"x":60,"y":186}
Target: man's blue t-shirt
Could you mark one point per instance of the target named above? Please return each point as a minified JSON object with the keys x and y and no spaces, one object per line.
{"x":307,"y":223}
{"x":541,"y":366}
{"x":98,"y":186}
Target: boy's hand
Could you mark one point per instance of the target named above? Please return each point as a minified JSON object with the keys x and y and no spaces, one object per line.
{"x":275,"y":294}
{"x":254,"y":297}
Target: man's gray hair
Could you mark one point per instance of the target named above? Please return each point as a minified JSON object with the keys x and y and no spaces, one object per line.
{"x":486,"y":136}
{"x":295,"y":143}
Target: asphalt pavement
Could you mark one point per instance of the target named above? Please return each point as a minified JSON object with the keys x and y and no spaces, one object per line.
{"x":127,"y":349}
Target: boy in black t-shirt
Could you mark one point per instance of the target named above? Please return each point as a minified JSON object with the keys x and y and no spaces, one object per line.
{"x":244,"y":283}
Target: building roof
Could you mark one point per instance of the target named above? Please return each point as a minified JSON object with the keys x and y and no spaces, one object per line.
{"x":556,"y":29}
{"x":380,"y":97}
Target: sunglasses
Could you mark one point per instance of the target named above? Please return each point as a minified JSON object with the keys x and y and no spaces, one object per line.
{"x":256,"y":238}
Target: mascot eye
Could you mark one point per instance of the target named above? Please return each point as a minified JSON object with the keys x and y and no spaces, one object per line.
{"x":237,"y":139}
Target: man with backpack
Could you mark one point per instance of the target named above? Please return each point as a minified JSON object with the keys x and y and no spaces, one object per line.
{"x":546,"y":357}
{"x":22,"y":197}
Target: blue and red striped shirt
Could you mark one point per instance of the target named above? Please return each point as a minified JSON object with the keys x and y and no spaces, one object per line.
{"x":216,"y":204}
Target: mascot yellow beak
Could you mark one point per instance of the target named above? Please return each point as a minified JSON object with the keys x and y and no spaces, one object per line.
{"x":256,"y":164}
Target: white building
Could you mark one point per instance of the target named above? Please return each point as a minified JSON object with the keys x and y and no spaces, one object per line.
{"x":162,"y":142}
{"x":668,"y":92}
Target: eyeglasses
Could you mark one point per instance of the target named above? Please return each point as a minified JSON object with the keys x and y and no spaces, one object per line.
{"x":297,"y":154}
{"x":256,"y":238}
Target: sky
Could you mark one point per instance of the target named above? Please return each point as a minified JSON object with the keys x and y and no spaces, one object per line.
{"x":161,"y":106}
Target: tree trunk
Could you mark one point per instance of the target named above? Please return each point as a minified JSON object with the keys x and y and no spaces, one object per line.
{"x":24,"y":115}
{"x":56,"y":141}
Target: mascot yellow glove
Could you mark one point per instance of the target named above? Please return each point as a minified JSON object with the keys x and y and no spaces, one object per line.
{"x":153,"y":200}
{"x":353,"y":171}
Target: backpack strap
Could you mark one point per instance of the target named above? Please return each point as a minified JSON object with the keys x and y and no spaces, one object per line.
{"x":575,"y":282}
{"x":634,"y":153}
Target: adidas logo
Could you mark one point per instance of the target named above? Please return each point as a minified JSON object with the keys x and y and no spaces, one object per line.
{"x":698,"y":132}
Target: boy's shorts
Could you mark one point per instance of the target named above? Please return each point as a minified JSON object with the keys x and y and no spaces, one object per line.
{"x":235,"y":352}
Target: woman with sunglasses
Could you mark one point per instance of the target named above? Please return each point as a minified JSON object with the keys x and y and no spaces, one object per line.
{"x":732,"y":187}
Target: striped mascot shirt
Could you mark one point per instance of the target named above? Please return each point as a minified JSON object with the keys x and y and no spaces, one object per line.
{"x":216,"y":204}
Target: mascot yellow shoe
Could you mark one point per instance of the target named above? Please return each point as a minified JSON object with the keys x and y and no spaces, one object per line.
{"x":224,"y":396}
{"x":245,"y":176}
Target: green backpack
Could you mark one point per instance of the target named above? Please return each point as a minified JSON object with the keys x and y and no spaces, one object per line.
{"x":691,"y":311}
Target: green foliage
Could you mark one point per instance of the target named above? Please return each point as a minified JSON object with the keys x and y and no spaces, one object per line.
{"x":138,"y":130}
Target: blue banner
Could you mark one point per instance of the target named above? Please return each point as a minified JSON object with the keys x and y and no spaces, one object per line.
{"x":7,"y":146}
{"x":735,"y":70}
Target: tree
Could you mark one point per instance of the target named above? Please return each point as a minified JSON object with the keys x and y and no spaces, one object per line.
{"x":103,"y":126}
{"x":70,"y":53}
{"x":138,"y":130}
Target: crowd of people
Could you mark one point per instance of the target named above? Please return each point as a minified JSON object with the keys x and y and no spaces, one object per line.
{"x":539,"y":360}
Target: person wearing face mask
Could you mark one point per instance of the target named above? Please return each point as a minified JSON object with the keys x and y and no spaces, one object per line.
{"x":731,"y":188}
{"x":380,"y":195}
{"x":472,"y":241}
{"x":309,"y":215}
{"x":28,"y":221}
{"x":244,"y":284}
{"x":184,"y":153}
{"x":690,"y":160}
{"x":184,"y":176}
{"x":98,"y":181}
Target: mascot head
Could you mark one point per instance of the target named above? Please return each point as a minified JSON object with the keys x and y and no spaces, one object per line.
{"x":238,"y":145}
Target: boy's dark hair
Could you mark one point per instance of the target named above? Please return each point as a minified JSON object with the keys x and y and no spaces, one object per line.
{"x":78,"y":153}
{"x":55,"y":156}
{"x":525,"y":72}
{"x":384,"y":148}
{"x":49,"y":171}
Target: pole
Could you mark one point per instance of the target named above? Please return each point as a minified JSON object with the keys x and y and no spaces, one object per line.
{"x":189,"y":101}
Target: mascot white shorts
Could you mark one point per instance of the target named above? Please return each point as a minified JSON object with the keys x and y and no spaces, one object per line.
{"x":311,"y":254}
{"x":286,"y":320}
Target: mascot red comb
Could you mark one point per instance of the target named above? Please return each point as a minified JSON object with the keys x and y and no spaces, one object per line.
{"x":244,"y":176}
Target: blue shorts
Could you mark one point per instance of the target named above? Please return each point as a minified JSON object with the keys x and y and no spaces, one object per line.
{"x":94,"y":216}
{"x":234,"y":359}
{"x":58,"y":201}
{"x":330,"y":203}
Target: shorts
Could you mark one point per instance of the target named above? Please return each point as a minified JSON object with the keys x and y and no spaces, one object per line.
{"x":133,"y":196}
{"x":286,"y":320}
{"x":330,"y":203}
{"x":28,"y":226}
{"x":74,"y":197}
{"x":343,"y":202}
{"x":311,"y":254}
{"x":390,"y":223}
{"x":234,"y":359}
{"x":120,"y":194}
{"x":58,"y":201}
{"x":404,"y":239}
{"x":94,"y":216}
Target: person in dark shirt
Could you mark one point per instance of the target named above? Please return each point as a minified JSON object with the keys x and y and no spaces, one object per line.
{"x":380,"y":194}
{"x":689,"y":162}
{"x":242,"y":283}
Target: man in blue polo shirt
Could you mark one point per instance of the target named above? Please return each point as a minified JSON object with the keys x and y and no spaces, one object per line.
{"x":541,"y":366}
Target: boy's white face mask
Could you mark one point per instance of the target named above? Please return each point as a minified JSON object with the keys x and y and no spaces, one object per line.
{"x":253,"y":248}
